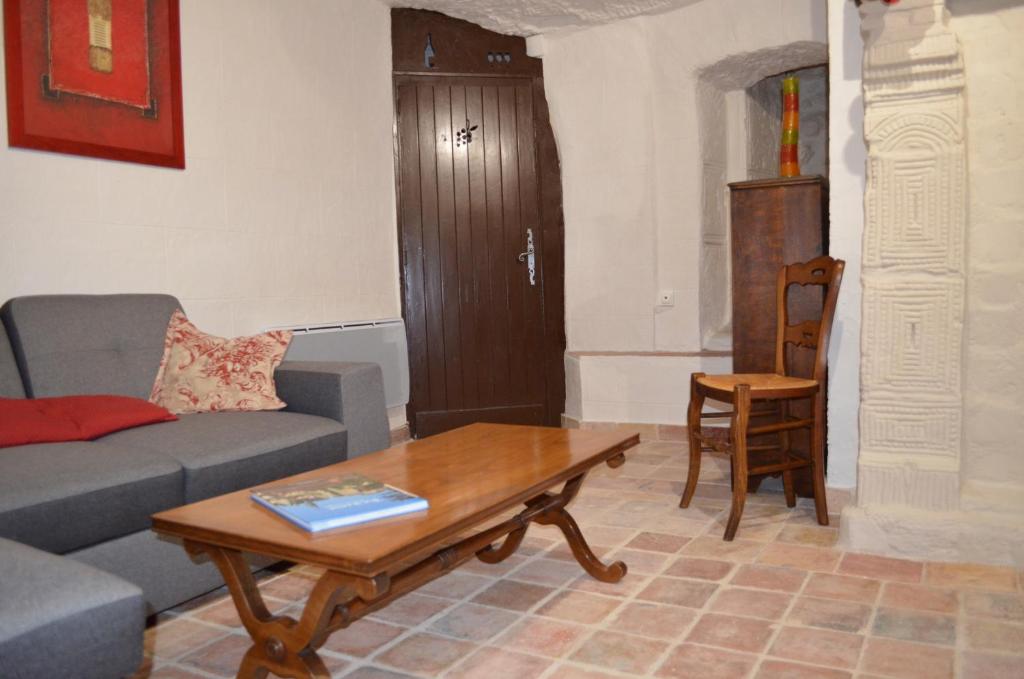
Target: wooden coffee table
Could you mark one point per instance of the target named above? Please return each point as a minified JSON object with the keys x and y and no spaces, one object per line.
{"x":471,"y":476}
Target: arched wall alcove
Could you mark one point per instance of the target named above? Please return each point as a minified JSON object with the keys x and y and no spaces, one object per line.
{"x":739,"y":123}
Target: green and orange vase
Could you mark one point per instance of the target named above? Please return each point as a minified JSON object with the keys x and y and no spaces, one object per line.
{"x":789,"y":152}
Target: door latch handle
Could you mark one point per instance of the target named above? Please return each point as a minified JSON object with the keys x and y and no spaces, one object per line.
{"x":530,"y":257}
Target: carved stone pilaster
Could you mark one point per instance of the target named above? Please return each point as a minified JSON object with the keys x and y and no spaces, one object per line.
{"x":914,"y":263}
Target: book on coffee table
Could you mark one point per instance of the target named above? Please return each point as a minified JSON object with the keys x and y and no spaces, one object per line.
{"x":319,"y":504}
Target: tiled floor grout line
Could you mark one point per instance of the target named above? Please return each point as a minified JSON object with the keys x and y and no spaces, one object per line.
{"x":868,"y":626}
{"x":193,"y":670}
{"x":650,"y":577}
{"x":721,"y":585}
{"x":353,"y":659}
{"x":636,"y":531}
{"x":424,"y":626}
{"x":538,"y":605}
{"x":607,"y":509}
{"x":781,"y":623}
{"x":960,"y":649}
{"x":406,"y":633}
{"x":585,"y":637}
{"x":226,"y":631}
{"x":688,"y":629}
{"x":673,"y":645}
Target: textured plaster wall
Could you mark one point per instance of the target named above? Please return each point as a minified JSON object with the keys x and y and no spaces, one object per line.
{"x":939,"y":471}
{"x":847,"y":156}
{"x":714,"y":299}
{"x":990,"y":37}
{"x":530,"y":17}
{"x":764,"y":128}
{"x":285,"y":213}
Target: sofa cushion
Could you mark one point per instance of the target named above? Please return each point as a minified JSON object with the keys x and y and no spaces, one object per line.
{"x":61,"y":618}
{"x":73,"y":418}
{"x":88,"y":344}
{"x":227,"y":451}
{"x":10,"y":378}
{"x":65,"y":496}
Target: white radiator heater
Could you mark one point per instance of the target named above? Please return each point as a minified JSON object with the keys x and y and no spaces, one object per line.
{"x":381,"y":342}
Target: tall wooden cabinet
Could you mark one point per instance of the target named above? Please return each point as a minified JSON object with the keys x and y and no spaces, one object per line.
{"x":774,"y":222}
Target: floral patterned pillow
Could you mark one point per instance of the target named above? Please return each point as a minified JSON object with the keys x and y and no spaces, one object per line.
{"x":204,"y":373}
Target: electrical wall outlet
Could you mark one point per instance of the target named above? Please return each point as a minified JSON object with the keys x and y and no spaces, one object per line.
{"x":667,"y":298}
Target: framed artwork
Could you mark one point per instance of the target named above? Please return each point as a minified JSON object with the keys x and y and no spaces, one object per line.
{"x":98,"y":78}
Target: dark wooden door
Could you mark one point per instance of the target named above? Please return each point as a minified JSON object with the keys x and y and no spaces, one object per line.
{"x":469,"y":206}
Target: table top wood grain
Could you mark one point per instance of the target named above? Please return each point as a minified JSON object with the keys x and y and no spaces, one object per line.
{"x":468,"y":475}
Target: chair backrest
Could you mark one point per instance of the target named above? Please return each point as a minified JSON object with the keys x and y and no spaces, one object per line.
{"x":811,"y":333}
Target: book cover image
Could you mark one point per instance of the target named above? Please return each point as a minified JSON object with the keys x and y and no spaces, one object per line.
{"x":320,"y":504}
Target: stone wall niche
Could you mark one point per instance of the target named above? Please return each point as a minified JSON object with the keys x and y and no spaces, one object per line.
{"x":739,"y":111}
{"x":910,"y":488}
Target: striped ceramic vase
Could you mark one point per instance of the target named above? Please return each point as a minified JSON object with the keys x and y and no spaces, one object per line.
{"x":789,"y":154}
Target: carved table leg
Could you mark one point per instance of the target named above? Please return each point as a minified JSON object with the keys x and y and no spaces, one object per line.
{"x":580,"y":549}
{"x":252,"y":667}
{"x":491,"y":555}
{"x":281,"y":644}
{"x":617,"y":461}
{"x":287,"y":647}
{"x":558,"y":516}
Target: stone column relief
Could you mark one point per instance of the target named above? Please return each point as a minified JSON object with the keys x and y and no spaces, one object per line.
{"x":914,"y":260}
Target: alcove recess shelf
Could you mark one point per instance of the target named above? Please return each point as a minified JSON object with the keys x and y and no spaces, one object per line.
{"x":775,"y":222}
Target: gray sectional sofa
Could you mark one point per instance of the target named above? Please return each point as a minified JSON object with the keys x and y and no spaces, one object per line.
{"x":91,"y":501}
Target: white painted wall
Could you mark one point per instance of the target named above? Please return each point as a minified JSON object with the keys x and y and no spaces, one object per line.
{"x":598,"y":86}
{"x":651,"y":388}
{"x":990,"y":37}
{"x":623,"y":102}
{"x":847,"y":156}
{"x":624,"y":109}
{"x":285,"y":213}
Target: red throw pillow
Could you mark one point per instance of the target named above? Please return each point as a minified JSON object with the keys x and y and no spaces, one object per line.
{"x":73,"y":418}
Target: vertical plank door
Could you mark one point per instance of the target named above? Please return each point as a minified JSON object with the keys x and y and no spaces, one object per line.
{"x":468,"y":205}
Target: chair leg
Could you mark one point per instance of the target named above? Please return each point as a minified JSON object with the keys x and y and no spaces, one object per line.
{"x":787,"y":488}
{"x":787,"y":476}
{"x":740,"y":420}
{"x":693,"y":426}
{"x":818,"y":459}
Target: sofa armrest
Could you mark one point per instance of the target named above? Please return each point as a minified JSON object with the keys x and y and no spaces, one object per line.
{"x":62,"y":618}
{"x":351,"y":393}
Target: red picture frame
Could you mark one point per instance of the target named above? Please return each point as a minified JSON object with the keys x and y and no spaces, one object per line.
{"x":80,"y":74}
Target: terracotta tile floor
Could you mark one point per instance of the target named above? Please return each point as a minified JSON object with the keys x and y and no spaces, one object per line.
{"x":780,"y":601}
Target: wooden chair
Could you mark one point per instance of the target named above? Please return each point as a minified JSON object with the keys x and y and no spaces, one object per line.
{"x":775,"y":390}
